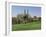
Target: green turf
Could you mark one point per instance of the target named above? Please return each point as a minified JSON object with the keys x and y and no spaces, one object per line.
{"x":27,"y":26}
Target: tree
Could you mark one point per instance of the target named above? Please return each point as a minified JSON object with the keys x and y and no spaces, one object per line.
{"x":14,"y":20}
{"x":39,"y":18}
{"x":35,"y":18}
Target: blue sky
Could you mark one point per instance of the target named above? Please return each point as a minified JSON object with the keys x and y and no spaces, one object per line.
{"x":33,"y":11}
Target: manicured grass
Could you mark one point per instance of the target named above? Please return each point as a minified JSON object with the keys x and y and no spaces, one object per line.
{"x":27,"y":26}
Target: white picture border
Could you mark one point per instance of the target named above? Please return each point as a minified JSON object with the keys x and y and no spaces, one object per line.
{"x":9,"y":16}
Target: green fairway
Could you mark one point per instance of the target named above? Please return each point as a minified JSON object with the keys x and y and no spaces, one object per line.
{"x":27,"y":26}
